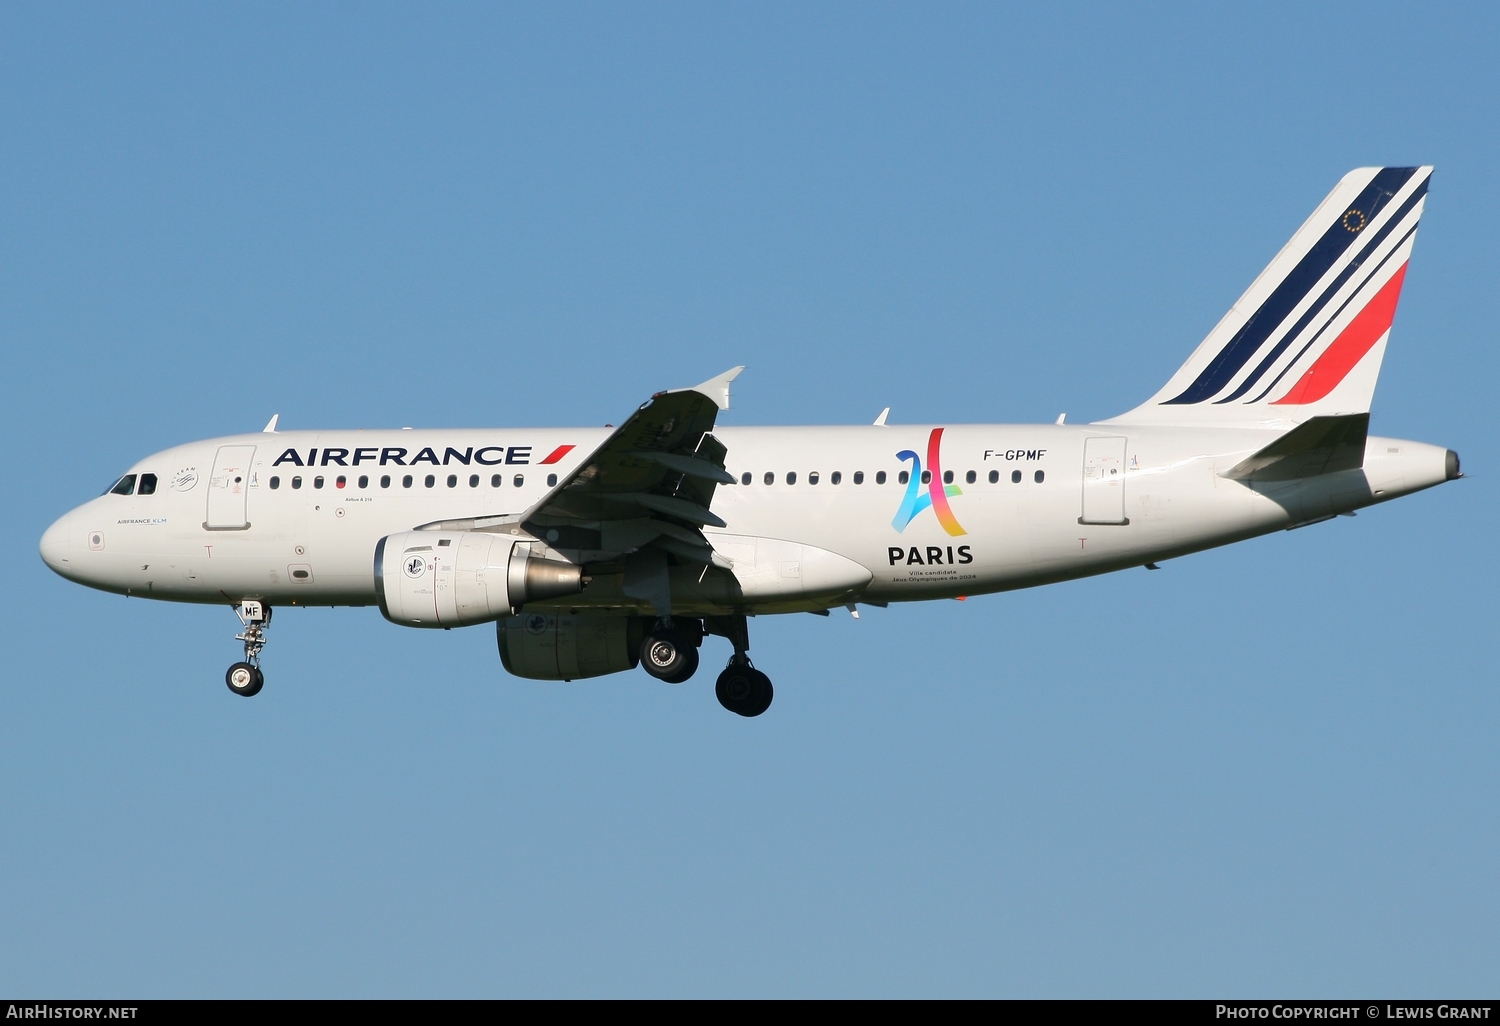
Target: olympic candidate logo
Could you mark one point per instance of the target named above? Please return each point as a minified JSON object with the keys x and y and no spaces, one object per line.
{"x":936,"y":492}
{"x":415,"y":567}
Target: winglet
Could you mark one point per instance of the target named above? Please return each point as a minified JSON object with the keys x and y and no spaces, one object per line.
{"x":717,"y":388}
{"x":880,"y":420}
{"x":270,"y":428}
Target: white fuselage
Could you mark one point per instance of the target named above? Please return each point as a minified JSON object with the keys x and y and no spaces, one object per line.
{"x":290,"y":533}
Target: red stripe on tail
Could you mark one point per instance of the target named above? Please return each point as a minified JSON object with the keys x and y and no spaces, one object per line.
{"x":1351,"y":345}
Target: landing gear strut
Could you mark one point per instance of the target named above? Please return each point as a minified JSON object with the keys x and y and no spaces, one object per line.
{"x":741,"y":688}
{"x":670,"y":654}
{"x":245,"y":679}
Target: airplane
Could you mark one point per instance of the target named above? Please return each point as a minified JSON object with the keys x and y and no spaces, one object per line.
{"x":596,"y":550}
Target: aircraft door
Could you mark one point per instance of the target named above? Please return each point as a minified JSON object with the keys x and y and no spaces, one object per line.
{"x":228,"y":486}
{"x":1103,"y":481}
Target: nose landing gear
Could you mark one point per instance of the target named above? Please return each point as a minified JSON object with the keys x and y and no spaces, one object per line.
{"x":245,"y":679}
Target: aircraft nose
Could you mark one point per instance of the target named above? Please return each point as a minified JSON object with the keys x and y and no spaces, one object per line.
{"x":54,"y":545}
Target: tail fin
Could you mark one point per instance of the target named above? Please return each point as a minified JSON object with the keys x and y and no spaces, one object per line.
{"x":1307,"y":337}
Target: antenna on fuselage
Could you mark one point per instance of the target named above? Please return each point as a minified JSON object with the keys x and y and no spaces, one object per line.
{"x":270,"y":428}
{"x":880,"y":420}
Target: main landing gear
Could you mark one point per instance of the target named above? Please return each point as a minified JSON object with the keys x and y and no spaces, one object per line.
{"x":669,"y":652}
{"x":743,"y":689}
{"x":245,"y":679}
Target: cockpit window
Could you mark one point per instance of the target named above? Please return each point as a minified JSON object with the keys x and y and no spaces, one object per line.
{"x":124,"y":486}
{"x":148,"y":485}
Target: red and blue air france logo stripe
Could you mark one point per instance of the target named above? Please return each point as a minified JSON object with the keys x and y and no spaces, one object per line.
{"x":1366,"y":245}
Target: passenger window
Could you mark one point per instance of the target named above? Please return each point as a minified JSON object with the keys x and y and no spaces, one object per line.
{"x":770,"y":478}
{"x":495,"y":481}
{"x":835,"y":477}
{"x":745,"y":478}
{"x":473,"y":480}
{"x":994,"y":476}
{"x":148,"y":485}
{"x":880,"y":476}
{"x":406,"y":481}
{"x":859,"y":477}
{"x":1015,"y":477}
{"x":385,"y":480}
{"x":340,"y":481}
{"x":520,"y":480}
{"x":275,"y":483}
{"x":902,"y":477}
{"x":971,"y":477}
{"x":1039,"y":476}
{"x":124,"y":486}
{"x":364,"y":480}
{"x":948,"y":477}
{"x":429,"y":481}
{"x":296,"y":482}
{"x":791,"y":477}
{"x":318,"y":481}
{"x":926,"y":477}
{"x":452,"y":480}
{"x":551,"y":480}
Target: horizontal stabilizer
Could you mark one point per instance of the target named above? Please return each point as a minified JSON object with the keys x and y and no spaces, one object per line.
{"x":1323,"y":445}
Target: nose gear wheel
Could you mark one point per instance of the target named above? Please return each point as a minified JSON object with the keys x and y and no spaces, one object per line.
{"x":245,"y":678}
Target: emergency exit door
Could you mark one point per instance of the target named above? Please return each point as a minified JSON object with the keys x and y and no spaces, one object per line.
{"x":227,"y":488}
{"x":1103,"y":481}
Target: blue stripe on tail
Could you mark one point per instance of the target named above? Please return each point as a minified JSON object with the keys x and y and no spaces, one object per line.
{"x":1309,"y":270}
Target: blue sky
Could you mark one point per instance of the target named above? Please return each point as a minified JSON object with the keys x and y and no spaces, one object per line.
{"x":1266,"y":770}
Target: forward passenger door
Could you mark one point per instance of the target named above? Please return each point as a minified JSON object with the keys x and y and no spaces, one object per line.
{"x":228,"y":487}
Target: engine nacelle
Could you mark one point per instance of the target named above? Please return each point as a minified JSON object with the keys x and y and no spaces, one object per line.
{"x":546,"y":647}
{"x":458,"y":578}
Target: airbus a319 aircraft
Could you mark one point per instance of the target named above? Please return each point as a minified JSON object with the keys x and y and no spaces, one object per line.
{"x":593,"y":550}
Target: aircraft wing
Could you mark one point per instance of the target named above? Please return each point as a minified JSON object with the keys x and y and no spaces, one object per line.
{"x":649,"y":483}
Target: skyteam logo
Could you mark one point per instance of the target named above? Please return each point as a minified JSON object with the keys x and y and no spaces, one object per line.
{"x":935,"y":494}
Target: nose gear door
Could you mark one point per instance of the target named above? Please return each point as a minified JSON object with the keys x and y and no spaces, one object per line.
{"x":228,"y":487}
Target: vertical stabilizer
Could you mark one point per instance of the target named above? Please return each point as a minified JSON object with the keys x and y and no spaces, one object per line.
{"x":1307,"y":337}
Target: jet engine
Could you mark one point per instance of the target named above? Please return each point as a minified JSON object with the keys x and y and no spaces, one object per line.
{"x":546,"y":647}
{"x":458,"y":578}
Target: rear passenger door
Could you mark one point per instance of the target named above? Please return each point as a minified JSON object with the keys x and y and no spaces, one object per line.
{"x":1103,"y":481}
